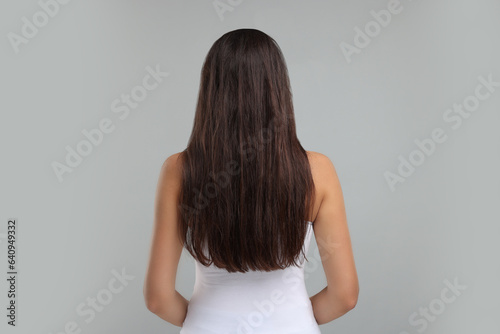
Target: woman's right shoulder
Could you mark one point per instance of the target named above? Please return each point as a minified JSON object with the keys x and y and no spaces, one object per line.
{"x":320,"y":164}
{"x":324,"y":176}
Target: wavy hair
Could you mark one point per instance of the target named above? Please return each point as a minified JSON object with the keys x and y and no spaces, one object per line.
{"x":247,"y":186}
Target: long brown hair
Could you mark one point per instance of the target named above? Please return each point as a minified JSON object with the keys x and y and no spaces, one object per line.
{"x":247,"y":185}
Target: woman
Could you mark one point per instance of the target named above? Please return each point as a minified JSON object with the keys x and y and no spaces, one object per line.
{"x":244,"y":198}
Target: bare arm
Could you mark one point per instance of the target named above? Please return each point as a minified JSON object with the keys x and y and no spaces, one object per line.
{"x":159,"y":286}
{"x":334,"y":245}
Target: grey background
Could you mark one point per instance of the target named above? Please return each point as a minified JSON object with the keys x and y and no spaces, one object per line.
{"x":441,"y":223}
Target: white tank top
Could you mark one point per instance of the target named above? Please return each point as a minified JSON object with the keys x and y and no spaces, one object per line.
{"x":255,"y":302}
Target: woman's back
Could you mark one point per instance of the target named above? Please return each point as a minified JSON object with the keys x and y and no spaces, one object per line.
{"x":242,"y":199}
{"x":251,"y":302}
{"x":255,"y":301}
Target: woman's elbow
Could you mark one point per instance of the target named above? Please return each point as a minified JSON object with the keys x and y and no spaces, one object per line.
{"x":152,"y":305}
{"x":347,"y":297}
{"x":351,"y":299}
{"x":152,"y":301}
{"x":351,"y":302}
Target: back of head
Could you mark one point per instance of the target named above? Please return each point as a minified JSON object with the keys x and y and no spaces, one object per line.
{"x":247,"y":185}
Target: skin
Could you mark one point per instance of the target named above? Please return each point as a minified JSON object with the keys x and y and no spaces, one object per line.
{"x":159,"y":287}
{"x":334,"y":244}
{"x":330,"y":229}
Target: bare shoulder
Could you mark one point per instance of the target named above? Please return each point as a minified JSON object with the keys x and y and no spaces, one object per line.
{"x":173,"y":160}
{"x":321,"y":166}
{"x":316,"y":156}
{"x":171,"y":170}
{"x":325,"y":181}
